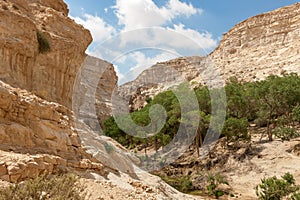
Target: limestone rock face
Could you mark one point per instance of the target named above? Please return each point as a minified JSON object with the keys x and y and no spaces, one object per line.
{"x":93,"y":90}
{"x":252,"y":50}
{"x":36,"y":135}
{"x":265,"y":44}
{"x":160,"y":77}
{"x":49,"y":75}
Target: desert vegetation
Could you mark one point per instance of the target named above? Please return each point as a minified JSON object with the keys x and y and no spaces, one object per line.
{"x":45,"y":186}
{"x":274,"y":188}
{"x":273,"y":103}
{"x":44,"y":45}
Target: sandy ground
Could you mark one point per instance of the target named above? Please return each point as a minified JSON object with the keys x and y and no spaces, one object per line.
{"x":272,"y":159}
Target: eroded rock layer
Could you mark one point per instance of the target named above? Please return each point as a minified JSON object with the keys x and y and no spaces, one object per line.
{"x":262,"y":45}
{"x":37,"y":136}
{"x":265,"y":44}
{"x":50,"y":75}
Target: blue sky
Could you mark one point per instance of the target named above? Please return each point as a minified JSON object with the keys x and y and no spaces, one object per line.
{"x":135,"y":34}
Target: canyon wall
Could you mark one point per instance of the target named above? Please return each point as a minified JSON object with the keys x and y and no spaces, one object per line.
{"x":262,"y":45}
{"x":37,"y":136}
{"x":93,"y":89}
{"x":265,"y":44}
{"x":49,"y":75}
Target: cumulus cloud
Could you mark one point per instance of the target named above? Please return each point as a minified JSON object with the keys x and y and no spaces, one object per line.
{"x":204,"y":40}
{"x":134,"y":14}
{"x":99,"y":29}
{"x":152,"y":27}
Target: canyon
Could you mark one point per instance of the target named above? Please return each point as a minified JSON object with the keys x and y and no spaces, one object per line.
{"x":53,"y":104}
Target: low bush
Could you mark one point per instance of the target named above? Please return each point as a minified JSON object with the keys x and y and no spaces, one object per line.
{"x":275,"y":189}
{"x":285,"y":133}
{"x":54,"y":187}
{"x":213,"y":181}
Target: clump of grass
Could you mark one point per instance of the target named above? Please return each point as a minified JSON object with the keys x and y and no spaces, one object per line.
{"x":54,"y":187}
{"x":44,"y":45}
{"x":183,"y":184}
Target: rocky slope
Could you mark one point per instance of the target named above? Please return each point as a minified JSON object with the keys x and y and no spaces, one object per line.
{"x":159,"y":78}
{"x":36,"y":135}
{"x":252,"y":50}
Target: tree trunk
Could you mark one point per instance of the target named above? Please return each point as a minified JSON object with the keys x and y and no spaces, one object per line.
{"x":197,"y":141}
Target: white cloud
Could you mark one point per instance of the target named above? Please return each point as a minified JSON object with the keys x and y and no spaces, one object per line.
{"x":172,"y":39}
{"x":204,"y":40}
{"x":134,"y":14}
{"x":178,"y":38}
{"x":177,"y":8}
{"x":99,"y":29}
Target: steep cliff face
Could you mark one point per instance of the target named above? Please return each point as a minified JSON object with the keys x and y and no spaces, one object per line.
{"x":265,"y":44}
{"x":93,"y":90}
{"x":49,"y":75}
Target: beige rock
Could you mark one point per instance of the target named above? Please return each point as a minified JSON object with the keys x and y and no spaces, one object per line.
{"x":50,"y":75}
{"x":5,"y":178}
{"x":93,"y":91}
{"x":252,"y":50}
{"x":15,"y":178}
{"x":3,"y":170}
{"x":261,"y":45}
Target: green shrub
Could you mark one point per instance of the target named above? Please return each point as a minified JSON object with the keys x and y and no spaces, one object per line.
{"x":54,"y":187}
{"x":285,"y":133}
{"x":276,"y":189}
{"x":296,"y":113}
{"x":186,"y":184}
{"x":236,"y":130}
{"x":213,"y":181}
{"x":44,"y":45}
{"x":182,"y":184}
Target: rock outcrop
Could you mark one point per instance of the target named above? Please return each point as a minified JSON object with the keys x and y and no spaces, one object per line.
{"x":37,"y":136}
{"x":160,"y":77}
{"x":262,"y":45}
{"x":49,"y":75}
{"x":94,"y":85}
{"x":265,"y":44}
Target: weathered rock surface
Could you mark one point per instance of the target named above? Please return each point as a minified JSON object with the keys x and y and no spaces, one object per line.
{"x":159,"y":78}
{"x":252,"y":50}
{"x":93,"y":89}
{"x":49,"y":75}
{"x":37,"y":136}
{"x":265,"y":44}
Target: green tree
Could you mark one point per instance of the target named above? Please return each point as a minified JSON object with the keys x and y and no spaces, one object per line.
{"x":236,"y":130}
